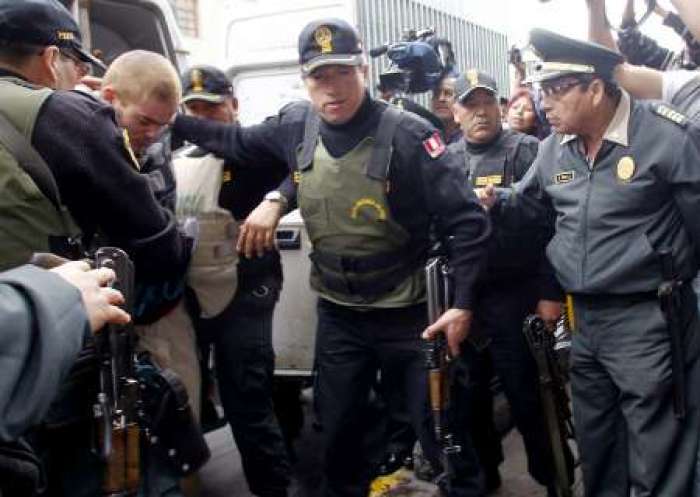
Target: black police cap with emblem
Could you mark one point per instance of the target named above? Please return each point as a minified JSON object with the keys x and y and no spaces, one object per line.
{"x":42,"y":23}
{"x":562,"y":56}
{"x":329,"y":42}
{"x":472,"y":80}
{"x":205,"y":83}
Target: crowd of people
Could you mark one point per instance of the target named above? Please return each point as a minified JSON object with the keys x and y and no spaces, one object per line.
{"x":577,"y":195}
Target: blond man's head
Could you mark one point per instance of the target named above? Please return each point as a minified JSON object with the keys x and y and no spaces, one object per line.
{"x":145,"y":90}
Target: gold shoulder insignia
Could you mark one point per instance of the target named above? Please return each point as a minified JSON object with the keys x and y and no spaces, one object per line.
{"x":129,"y":150}
{"x":671,"y":114}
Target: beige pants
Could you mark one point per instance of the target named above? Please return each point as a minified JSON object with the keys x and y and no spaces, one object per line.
{"x":172,"y":343}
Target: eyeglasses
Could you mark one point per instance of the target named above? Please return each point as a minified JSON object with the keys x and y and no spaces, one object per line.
{"x":81,"y":64}
{"x":558,"y":87}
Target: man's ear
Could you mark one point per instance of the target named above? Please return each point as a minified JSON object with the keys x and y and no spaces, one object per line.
{"x":108,"y":94}
{"x":234,"y":103}
{"x":598,"y":88}
{"x":48,"y":61}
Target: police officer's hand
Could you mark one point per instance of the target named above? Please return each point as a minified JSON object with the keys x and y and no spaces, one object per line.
{"x":257,"y":233}
{"x":549,"y":311}
{"x":100,"y":301}
{"x":487,"y":196}
{"x":455,"y":323}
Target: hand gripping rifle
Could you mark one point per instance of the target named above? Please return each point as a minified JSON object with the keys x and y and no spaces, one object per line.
{"x":116,"y":410}
{"x":670,"y":300}
{"x":439,"y":293}
{"x":555,"y":402}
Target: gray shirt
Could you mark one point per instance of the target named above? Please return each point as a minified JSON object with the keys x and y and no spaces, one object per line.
{"x":641,"y":194}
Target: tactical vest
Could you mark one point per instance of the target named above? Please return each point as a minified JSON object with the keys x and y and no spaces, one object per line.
{"x":687,"y":100}
{"x":213,"y":273}
{"x":495,"y":166}
{"x":361,"y":256}
{"x":32,"y":217}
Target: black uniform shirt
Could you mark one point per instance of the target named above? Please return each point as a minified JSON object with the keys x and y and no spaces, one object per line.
{"x":514,"y":252}
{"x":78,"y":138}
{"x":421,"y":186}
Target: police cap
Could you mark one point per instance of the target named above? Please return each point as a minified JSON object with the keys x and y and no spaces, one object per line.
{"x":471,"y":80}
{"x":42,"y":23}
{"x":329,"y":42}
{"x":561,"y":56}
{"x":205,"y":83}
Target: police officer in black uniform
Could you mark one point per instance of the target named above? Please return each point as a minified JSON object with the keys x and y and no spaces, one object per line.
{"x":514,"y":283}
{"x":97,"y":188}
{"x":621,"y":177}
{"x":242,"y":333}
{"x":369,"y":180}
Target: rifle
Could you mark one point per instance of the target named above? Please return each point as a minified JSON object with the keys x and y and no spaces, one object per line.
{"x":439,"y":294}
{"x":670,"y":301}
{"x":555,"y":401}
{"x":117,"y":408}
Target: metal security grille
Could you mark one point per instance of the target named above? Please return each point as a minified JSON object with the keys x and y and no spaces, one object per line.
{"x":187,"y":16}
{"x":383,"y":21}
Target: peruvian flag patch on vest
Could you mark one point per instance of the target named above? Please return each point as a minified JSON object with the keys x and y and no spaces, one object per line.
{"x":434,"y":145}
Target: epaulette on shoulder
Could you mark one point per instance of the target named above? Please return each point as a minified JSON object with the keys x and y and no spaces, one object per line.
{"x":671,"y":114}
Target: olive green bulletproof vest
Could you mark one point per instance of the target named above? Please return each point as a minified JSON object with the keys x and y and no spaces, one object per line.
{"x":346,"y":214}
{"x":29,"y":221}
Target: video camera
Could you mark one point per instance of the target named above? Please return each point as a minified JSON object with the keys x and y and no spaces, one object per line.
{"x":418,"y":61}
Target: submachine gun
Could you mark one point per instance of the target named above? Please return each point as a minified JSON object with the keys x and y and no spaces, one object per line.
{"x":117,"y":409}
{"x":439,"y":293}
{"x":555,"y":400}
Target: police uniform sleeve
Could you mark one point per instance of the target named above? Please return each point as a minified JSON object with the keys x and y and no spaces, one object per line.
{"x":460,"y":218}
{"x":44,"y":328}
{"x":684,"y":178}
{"x":100,"y":183}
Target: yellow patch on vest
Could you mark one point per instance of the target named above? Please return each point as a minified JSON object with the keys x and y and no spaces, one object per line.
{"x":296,"y":177}
{"x":370,"y":203}
{"x":129,"y":150}
{"x":226,"y":176}
{"x":625,"y":169}
{"x":495,"y":179}
{"x":565,"y":177}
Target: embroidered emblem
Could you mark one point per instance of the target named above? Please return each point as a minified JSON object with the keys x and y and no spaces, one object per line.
{"x":370,"y":203}
{"x":324,"y":39}
{"x":494,"y":180}
{"x":197,"y":81}
{"x":434,"y":145}
{"x":473,"y":77}
{"x":625,"y":169}
{"x":226,"y":176}
{"x":563,"y":178}
{"x":296,"y":177}
{"x":65,"y":35}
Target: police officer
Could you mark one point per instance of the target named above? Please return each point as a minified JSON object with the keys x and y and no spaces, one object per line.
{"x":621,"y":177}
{"x":242,"y":331}
{"x":514,"y":283}
{"x":67,"y":170}
{"x":368,"y":180}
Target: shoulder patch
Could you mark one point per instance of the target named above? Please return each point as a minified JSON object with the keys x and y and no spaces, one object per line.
{"x":434,"y":145}
{"x":671,"y":114}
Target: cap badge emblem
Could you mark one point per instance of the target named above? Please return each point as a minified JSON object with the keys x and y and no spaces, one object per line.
{"x":625,"y":169}
{"x":65,"y":35}
{"x":197,"y":81}
{"x":324,"y":39}
{"x":473,"y":77}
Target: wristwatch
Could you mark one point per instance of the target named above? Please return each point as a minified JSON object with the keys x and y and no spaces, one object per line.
{"x":276,"y":196}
